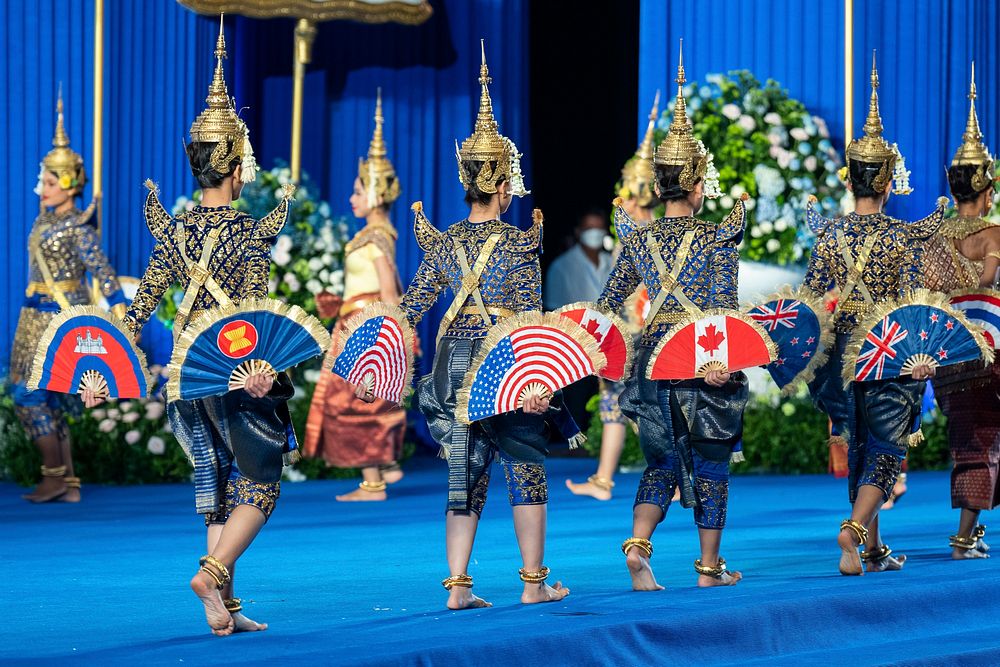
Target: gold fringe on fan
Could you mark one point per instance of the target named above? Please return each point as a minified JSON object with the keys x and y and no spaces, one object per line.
{"x":38,"y":365}
{"x":826,"y":332}
{"x":919,"y":297}
{"x":209,"y":317}
{"x":382,"y":309}
{"x":691,"y":318}
{"x":504,"y":329}
{"x":623,"y":328}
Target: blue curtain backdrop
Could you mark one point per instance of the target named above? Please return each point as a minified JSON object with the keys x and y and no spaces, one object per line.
{"x":924,"y":48}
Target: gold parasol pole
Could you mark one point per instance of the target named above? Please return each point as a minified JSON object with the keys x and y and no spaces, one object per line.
{"x":848,"y":70}
{"x":98,"y":164}
{"x":305,"y":33}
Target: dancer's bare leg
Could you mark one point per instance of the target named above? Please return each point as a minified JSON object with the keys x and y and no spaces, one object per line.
{"x":710,"y":539}
{"x":241,"y":622}
{"x":239,"y":532}
{"x":49,"y":488}
{"x":645,"y":518}
{"x":65,"y":448}
{"x":392,"y":472}
{"x":599,"y":486}
{"x":864,"y":511}
{"x":529,"y":525}
{"x":372,"y":487}
{"x":460,"y":534}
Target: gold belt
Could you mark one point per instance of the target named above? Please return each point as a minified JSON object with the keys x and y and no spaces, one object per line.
{"x":669,"y":317}
{"x":495,"y":311}
{"x":855,"y":307}
{"x":357,"y":302}
{"x":35,"y":287}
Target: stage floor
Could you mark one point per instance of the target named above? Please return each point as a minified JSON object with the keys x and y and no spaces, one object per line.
{"x":105,"y":582}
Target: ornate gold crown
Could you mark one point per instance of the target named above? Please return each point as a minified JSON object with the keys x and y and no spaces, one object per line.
{"x":973,"y":151}
{"x":219,"y":123}
{"x":378,"y":177}
{"x":679,"y":148}
{"x":62,"y":160}
{"x":487,"y":145}
{"x":872,"y":147}
{"x":637,"y":174}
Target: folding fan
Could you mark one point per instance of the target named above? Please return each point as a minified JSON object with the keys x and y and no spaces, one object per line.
{"x":799,"y":324}
{"x":528,"y":354}
{"x":377,"y":352}
{"x":85,"y":347}
{"x":981,"y":306}
{"x":922,"y":329}
{"x":609,"y":331}
{"x":720,"y":340}
{"x":218,"y":352}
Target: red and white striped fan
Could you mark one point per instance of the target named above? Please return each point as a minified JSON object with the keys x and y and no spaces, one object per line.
{"x":377,"y":352}
{"x":610,"y":332}
{"x":721,"y":340}
{"x":528,"y":354}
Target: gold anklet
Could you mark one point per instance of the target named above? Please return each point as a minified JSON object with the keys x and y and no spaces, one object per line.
{"x":54,"y":471}
{"x":233,"y":605}
{"x":714,"y":572}
{"x":603,"y":483}
{"x":536,"y":577}
{"x":876,"y":555}
{"x":460,"y":580}
{"x":372,"y":487}
{"x":979,"y":532}
{"x":967,"y":543}
{"x":640,"y":543}
{"x":73,"y":482}
{"x":859,"y":531}
{"x":222,"y":577}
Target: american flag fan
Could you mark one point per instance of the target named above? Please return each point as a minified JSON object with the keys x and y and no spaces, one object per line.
{"x":85,"y":347}
{"x":981,"y":306}
{"x":799,"y":324}
{"x":610,"y":332}
{"x":528,"y":354}
{"x":377,"y":352}
{"x":719,"y":340}
{"x":218,"y":351}
{"x":921,"y":329}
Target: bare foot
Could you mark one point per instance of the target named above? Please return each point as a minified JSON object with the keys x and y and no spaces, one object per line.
{"x":640,"y":571}
{"x":72,"y":495}
{"x":243,"y":624}
{"x":588,"y":489}
{"x":850,"y":559}
{"x":360,"y":495}
{"x":218,"y":617}
{"x":460,"y":597}
{"x":728,"y":578}
{"x":47,"y":490}
{"x":536,"y":593}
{"x":968,"y":554}
{"x":890,"y":564}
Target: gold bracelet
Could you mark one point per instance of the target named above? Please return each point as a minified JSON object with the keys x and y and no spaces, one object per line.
{"x":371,"y":487}
{"x":640,"y":543}
{"x":536,"y":577}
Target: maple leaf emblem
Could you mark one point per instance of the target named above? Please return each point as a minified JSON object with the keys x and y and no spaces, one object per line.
{"x":711,"y":339}
{"x":592,"y":326}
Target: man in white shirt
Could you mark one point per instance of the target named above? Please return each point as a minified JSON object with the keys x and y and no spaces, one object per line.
{"x":579,"y":273}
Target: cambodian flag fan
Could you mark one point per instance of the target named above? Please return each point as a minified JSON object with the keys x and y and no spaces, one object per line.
{"x":218,"y":351}
{"x":719,"y":340}
{"x":85,"y":347}
{"x":922,"y":329}
{"x":799,"y":325}
{"x":527,"y":354}
{"x":981,"y":306}
{"x":611,"y":334}
{"x":377,"y":352}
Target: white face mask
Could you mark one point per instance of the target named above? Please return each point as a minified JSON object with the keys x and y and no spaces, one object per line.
{"x":593,"y":238}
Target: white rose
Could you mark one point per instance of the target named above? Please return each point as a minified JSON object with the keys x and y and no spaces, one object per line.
{"x":315,"y":264}
{"x":780,"y":225}
{"x":726,"y":201}
{"x":327,"y":258}
{"x":314,"y":286}
{"x":114,"y":413}
{"x":167,"y":428}
{"x":750,"y":203}
{"x":284,"y":242}
{"x":773,"y":245}
{"x":773,"y":118}
{"x":293,"y":282}
{"x":737,"y":190}
{"x":810,"y":163}
{"x":337,"y":276}
{"x":106,"y":426}
{"x":747,"y":123}
{"x":710,"y":205}
{"x":132,"y":437}
{"x":784,"y":159}
{"x":755,"y":232}
{"x":99,"y":414}
{"x":154,"y":410}
{"x":766,"y":227}
{"x":324,"y":275}
{"x":130,"y":417}
{"x":731,"y":111}
{"x":799,"y":134}
{"x":126,"y":406}
{"x":156,"y":445}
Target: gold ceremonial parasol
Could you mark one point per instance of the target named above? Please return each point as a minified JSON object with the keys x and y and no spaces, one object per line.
{"x":308,"y":13}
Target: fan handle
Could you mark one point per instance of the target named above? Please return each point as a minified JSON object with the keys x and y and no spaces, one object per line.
{"x":536,"y":389}
{"x":921,"y":358}
{"x":238,"y":378}
{"x":95,"y":382}
{"x":710,"y":366}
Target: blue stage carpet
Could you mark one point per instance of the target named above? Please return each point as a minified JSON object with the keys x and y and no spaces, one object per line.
{"x":105,"y":582}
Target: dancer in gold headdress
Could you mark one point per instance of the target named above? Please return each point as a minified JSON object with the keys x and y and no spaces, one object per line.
{"x":63,"y":247}
{"x":688,"y":266}
{"x":639,"y":203}
{"x":345,"y":432}
{"x":237,"y":442}
{"x":873,"y":259}
{"x":965,"y":254}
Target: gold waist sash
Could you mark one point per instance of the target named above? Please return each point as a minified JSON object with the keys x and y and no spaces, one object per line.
{"x":669,"y":317}
{"x":495,"y":311}
{"x":35,"y":287}
{"x":357,"y":302}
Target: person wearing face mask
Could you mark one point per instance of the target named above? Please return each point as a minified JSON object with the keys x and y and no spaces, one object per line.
{"x":579,"y":273}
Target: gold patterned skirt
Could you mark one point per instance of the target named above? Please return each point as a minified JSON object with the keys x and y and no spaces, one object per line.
{"x":30,"y":326}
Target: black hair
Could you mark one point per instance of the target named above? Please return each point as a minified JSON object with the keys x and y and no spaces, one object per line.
{"x":862,"y":176}
{"x":200,"y":157}
{"x":668,"y":179}
{"x":473,"y":195}
{"x":960,"y":180}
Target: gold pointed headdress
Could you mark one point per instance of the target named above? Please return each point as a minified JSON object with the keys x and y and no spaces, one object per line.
{"x":219,"y":123}
{"x":62,"y":160}
{"x":973,"y":151}
{"x":488,"y":146}
{"x":378,"y":177}
{"x":680,"y":148}
{"x":637,"y":174}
